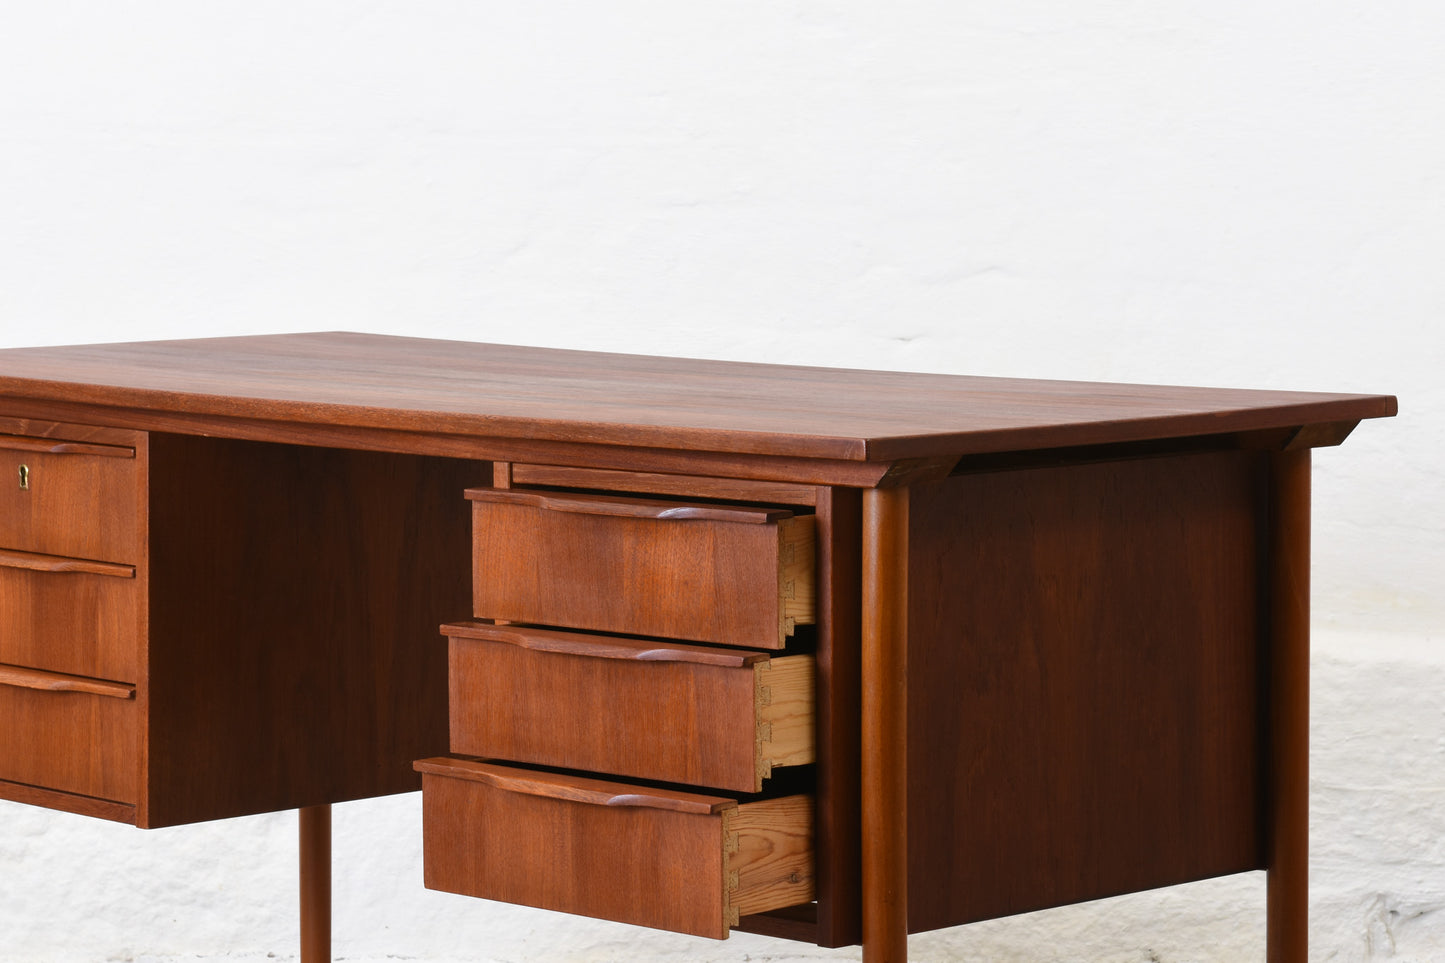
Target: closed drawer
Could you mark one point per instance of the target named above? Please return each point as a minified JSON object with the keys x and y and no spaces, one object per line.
{"x":76,"y":499}
{"x":67,"y":733}
{"x":69,"y":615}
{"x":647,"y":483}
{"x":734,"y":575}
{"x":672,"y":860}
{"x":646,"y":709}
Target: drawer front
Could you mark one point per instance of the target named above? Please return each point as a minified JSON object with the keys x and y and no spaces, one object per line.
{"x":703,"y":573}
{"x":633,"y":854}
{"x":639,"y":708}
{"x":69,"y":734}
{"x":75,"y":499}
{"x":71,"y":616}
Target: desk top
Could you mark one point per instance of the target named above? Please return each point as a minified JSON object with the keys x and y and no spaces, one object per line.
{"x":577,"y":397}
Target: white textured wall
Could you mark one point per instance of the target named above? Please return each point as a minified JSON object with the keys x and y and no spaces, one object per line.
{"x":1229,"y":193}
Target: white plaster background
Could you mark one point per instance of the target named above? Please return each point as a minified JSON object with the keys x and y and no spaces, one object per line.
{"x":1230,"y":193}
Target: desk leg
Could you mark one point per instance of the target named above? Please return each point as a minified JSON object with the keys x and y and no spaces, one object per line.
{"x":315,"y":844}
{"x":885,"y":725}
{"x":1289,"y":708}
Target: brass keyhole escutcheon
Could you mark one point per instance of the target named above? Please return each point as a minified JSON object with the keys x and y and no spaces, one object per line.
{"x":25,"y":478}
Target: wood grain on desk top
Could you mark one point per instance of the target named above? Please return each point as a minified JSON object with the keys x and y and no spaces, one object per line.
{"x":504,"y":391}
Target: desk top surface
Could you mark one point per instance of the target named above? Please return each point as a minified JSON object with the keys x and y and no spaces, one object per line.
{"x":544,"y":394}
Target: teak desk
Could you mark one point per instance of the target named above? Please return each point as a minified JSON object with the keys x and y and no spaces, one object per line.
{"x":1003,"y":644}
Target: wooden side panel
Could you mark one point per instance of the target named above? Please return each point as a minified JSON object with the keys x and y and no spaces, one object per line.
{"x":787,"y":711}
{"x":690,"y":578}
{"x":636,"y":865}
{"x":294,"y":604}
{"x":1084,"y":683}
{"x":664,"y":720}
{"x":71,"y":742}
{"x":73,"y":502}
{"x":770,"y":854}
{"x":797,"y":571}
{"x":73,"y":622}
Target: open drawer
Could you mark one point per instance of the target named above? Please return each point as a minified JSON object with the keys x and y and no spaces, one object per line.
{"x":637,"y":708}
{"x":727,"y":574}
{"x":634,"y":854}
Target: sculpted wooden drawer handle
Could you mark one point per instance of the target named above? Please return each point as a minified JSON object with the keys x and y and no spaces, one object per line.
{"x":627,"y":507}
{"x":35,"y":562}
{"x":49,"y":446}
{"x":602,"y":647}
{"x":593,"y":792}
{"x":22,"y":678}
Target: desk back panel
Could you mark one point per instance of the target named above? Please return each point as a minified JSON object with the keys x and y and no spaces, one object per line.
{"x":1084,"y":682}
{"x":295,"y":597}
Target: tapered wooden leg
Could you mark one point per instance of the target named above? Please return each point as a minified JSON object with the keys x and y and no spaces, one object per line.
{"x":885,"y":725}
{"x":315,"y":839}
{"x":1289,"y":709}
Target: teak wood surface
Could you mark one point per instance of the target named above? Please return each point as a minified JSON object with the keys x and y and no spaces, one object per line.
{"x":294,"y":603}
{"x":272,"y":634}
{"x":1103,"y":556}
{"x":1099,"y":670}
{"x":412,"y":385}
